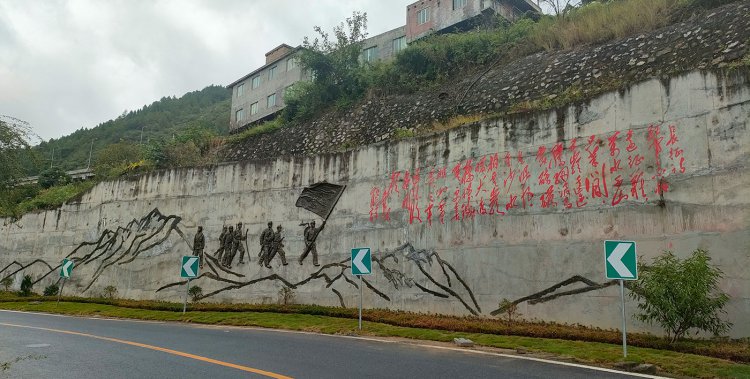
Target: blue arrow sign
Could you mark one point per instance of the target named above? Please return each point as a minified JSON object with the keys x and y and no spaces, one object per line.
{"x":66,"y":268}
{"x":361,"y":261}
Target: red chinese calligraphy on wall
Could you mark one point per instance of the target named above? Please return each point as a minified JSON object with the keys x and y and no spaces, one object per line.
{"x":595,"y":170}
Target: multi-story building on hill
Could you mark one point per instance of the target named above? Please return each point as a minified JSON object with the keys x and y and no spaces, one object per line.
{"x":426,"y":17}
{"x":259,"y":95}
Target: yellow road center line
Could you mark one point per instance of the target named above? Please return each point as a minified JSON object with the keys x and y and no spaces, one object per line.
{"x":157,"y":348}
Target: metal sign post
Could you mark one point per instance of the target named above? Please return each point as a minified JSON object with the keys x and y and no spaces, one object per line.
{"x":624,"y":332}
{"x":361,"y":265}
{"x":66,"y":268}
{"x":360,"y":302}
{"x":188,"y":269}
{"x":187,"y":289}
{"x":621,"y":263}
{"x":59,"y":293}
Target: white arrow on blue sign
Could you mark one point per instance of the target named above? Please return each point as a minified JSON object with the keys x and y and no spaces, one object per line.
{"x":66,"y":268}
{"x":361,"y":261}
{"x":189,"y":267}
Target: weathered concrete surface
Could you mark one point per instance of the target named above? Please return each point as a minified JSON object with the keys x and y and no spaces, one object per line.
{"x":473,"y":262}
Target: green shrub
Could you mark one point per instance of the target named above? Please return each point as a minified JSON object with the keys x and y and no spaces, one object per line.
{"x":333,"y":62}
{"x":286,"y":296}
{"x":510,"y":310}
{"x":599,"y":22}
{"x":440,"y":56}
{"x":681,"y":295}
{"x":196,"y":293}
{"x":26,"y":285}
{"x":51,"y":290}
{"x":54,"y":197}
{"x":109,"y":292}
{"x":11,"y":197}
{"x":401,"y":133}
{"x":114,"y":160}
{"x":266,"y":127}
{"x":53,"y":176}
{"x":7,"y":282}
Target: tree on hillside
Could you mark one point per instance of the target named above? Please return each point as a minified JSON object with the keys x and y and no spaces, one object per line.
{"x":334,"y":64}
{"x":115,"y":159}
{"x":53,"y":176}
{"x":15,"y":135}
{"x":194,"y":146}
{"x":207,"y":108}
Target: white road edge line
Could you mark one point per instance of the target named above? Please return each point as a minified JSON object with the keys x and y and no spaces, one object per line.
{"x":370,"y":339}
{"x":87,"y":318}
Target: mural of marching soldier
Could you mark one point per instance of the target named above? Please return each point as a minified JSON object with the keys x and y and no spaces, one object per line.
{"x":238,"y":245}
{"x":228,"y":248}
{"x":220,"y":253}
{"x":319,"y":198}
{"x":277,"y":248}
{"x":266,"y":245}
{"x":311,"y":233}
{"x":199,"y":243}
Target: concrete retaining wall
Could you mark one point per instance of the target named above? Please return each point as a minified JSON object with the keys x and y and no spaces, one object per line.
{"x":457,"y":221}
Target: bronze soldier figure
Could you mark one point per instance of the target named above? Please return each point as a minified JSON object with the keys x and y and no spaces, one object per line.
{"x":228,"y":247}
{"x":266,"y":244}
{"x":310,"y":233}
{"x":277,"y":248}
{"x":199,"y":243}
{"x":220,"y":253}
{"x":238,"y":246}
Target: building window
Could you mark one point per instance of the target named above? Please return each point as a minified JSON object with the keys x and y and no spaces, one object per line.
{"x":271,"y":100}
{"x":423,"y":16}
{"x":458,"y":4}
{"x":254,"y":108}
{"x":272,"y":72}
{"x":370,"y":54}
{"x":291,"y":63}
{"x":255,"y":83}
{"x":240,"y":89}
{"x":239,"y":115}
{"x":399,"y":44}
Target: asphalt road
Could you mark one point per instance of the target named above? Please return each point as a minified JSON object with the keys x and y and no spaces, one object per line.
{"x":48,"y":346}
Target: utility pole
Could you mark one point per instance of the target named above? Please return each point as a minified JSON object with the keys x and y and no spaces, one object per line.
{"x":52,"y":160}
{"x":91,"y":149}
{"x":142,"y":126}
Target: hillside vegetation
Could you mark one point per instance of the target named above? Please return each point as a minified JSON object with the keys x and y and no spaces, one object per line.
{"x":158,"y":122}
{"x":341,"y":80}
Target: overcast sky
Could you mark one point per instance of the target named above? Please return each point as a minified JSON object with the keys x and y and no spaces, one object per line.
{"x":65,"y":65}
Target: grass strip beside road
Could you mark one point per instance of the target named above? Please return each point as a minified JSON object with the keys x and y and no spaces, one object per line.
{"x":596,"y":353}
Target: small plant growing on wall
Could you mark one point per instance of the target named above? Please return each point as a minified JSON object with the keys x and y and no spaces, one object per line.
{"x":510,"y":310}
{"x":51,"y":290}
{"x":286,"y":296}
{"x":6,"y":283}
{"x":196,"y":293}
{"x":109,"y":292}
{"x":26,"y":284}
{"x":681,"y":295}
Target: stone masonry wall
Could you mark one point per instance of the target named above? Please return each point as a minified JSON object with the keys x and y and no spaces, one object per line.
{"x":707,"y":43}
